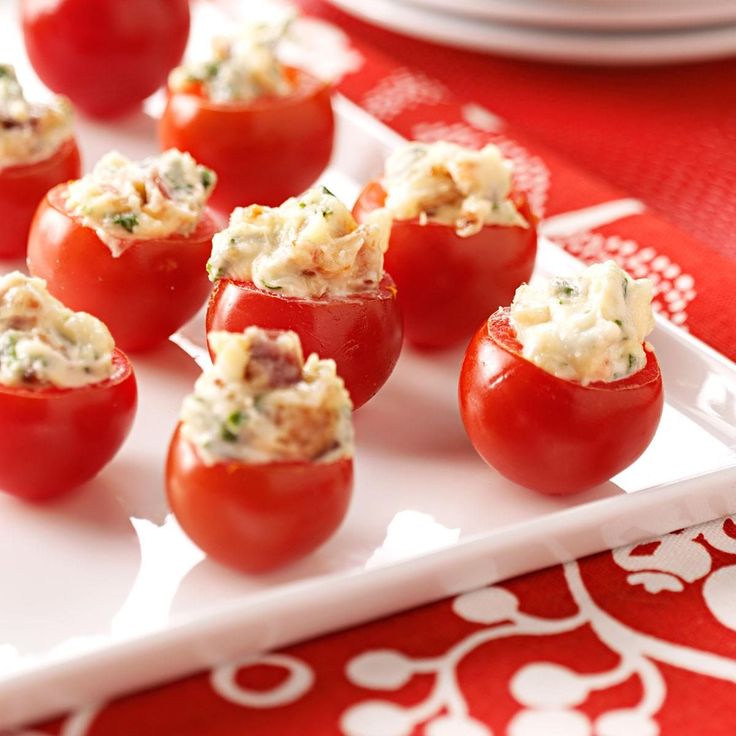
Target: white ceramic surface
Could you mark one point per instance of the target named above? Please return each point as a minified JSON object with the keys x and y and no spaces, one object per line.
{"x":576,"y":45}
{"x":102,"y":593}
{"x":621,"y":14}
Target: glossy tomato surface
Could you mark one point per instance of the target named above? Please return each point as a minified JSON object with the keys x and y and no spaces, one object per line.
{"x":23,"y":187}
{"x":264,"y":151}
{"x":106,"y":55}
{"x":256,"y":517}
{"x":53,"y":440}
{"x":143,"y":296}
{"x":361,"y":333}
{"x":546,"y":433}
{"x":448,"y":285}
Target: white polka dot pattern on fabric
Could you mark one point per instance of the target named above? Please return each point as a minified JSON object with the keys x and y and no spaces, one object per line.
{"x":486,"y":605}
{"x":456,"y":726}
{"x":548,"y":685}
{"x":625,"y":723}
{"x":719,"y":593}
{"x":673,"y":290}
{"x":550,"y":723}
{"x":400,"y":91}
{"x":376,"y":718}
{"x":383,"y":669}
{"x":298,"y":682}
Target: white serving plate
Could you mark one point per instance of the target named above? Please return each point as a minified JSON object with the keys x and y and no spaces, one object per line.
{"x":590,"y":14}
{"x":542,"y":41}
{"x":104,"y":593}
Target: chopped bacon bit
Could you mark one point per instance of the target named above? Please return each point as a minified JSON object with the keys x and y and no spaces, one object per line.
{"x":21,"y":322}
{"x":271,"y":367}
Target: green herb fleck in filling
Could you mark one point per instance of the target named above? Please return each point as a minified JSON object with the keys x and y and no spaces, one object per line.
{"x":229,"y":431}
{"x":211,"y":69}
{"x":206,"y":178}
{"x":213,"y":272}
{"x":126,"y":220}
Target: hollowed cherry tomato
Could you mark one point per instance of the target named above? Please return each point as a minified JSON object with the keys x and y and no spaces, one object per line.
{"x":547,"y":433}
{"x":263,"y":151}
{"x":54,"y":439}
{"x":361,"y":333}
{"x":23,"y":187}
{"x":447,"y":284}
{"x":143,"y":296}
{"x":105,"y":55}
{"x":255,"y":517}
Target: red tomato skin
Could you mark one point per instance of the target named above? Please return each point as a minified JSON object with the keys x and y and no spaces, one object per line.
{"x":106,"y":55}
{"x":548,"y":434}
{"x":143,"y":296}
{"x":265,"y":151}
{"x":53,"y":440}
{"x":362,"y":333}
{"x":23,"y":187}
{"x":448,"y":285}
{"x":256,"y":517}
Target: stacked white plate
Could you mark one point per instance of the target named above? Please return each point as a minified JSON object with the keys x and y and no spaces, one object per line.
{"x":581,"y":31}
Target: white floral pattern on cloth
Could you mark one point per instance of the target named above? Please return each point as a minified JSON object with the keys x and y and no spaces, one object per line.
{"x":400,"y":91}
{"x":548,"y":692}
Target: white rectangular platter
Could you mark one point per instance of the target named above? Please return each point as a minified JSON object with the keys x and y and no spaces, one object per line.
{"x":102,"y":593}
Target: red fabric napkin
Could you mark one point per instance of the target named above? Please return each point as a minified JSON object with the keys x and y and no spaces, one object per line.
{"x":634,"y":642}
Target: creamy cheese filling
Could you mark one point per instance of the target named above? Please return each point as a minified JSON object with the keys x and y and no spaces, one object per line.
{"x":241,"y":68}
{"x":29,"y":132}
{"x":124,"y":200}
{"x":308,"y":247}
{"x":585,"y":328}
{"x":42,"y":342}
{"x":261,"y":402}
{"x":446,"y":183}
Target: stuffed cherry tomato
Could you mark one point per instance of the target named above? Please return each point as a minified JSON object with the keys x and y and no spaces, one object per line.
{"x":129,"y":244}
{"x":260,"y":469}
{"x":67,"y":394}
{"x":461,"y":240}
{"x":559,"y":393}
{"x":37,"y":151}
{"x":106,"y":55}
{"x":309,"y":267}
{"x":266,"y":129}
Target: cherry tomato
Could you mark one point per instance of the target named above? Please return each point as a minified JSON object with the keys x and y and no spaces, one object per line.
{"x":105,"y":55}
{"x":447,"y":284}
{"x":23,"y":187}
{"x":143,"y":296}
{"x":546,"y":433}
{"x":263,"y":151}
{"x":256,"y":517}
{"x":54,"y":439}
{"x":361,"y":333}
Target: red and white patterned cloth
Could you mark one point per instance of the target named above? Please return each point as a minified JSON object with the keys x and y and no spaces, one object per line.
{"x":635,"y":642}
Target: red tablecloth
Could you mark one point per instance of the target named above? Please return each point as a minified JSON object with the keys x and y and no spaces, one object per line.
{"x":634,"y":642}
